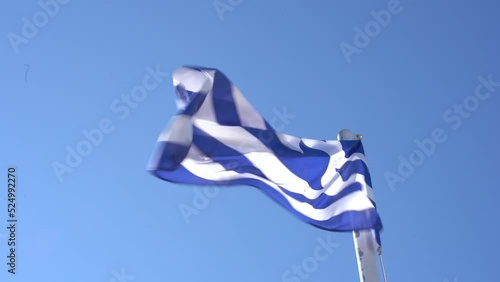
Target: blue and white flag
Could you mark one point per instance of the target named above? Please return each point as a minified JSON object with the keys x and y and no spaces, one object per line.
{"x":217,"y":138}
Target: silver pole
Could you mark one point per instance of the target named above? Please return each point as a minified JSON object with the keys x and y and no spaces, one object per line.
{"x":382,"y":263}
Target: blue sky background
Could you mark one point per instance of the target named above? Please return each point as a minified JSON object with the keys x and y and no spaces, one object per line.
{"x":109,"y":217}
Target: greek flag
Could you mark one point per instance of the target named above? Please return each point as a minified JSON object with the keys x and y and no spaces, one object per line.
{"x":217,"y":138}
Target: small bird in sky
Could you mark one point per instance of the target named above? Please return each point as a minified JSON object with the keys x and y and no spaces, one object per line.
{"x":26,"y":73}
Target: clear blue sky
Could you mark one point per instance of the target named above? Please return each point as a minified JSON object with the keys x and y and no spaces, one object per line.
{"x":409,"y":76}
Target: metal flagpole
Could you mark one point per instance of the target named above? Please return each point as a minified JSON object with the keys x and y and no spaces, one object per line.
{"x":364,"y":241}
{"x":382,"y":262}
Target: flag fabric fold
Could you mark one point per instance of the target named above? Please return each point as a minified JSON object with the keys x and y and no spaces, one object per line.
{"x":217,"y":138}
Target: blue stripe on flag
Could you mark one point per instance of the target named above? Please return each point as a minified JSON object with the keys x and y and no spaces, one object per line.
{"x":168,"y":156}
{"x":325,"y":200}
{"x":351,"y":147}
{"x":346,"y":221}
{"x":220,"y":153}
{"x":224,"y":106}
{"x":355,"y":166}
{"x":312,"y":164}
{"x":195,"y":102}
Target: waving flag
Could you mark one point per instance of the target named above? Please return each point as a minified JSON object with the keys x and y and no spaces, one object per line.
{"x":217,"y":138}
